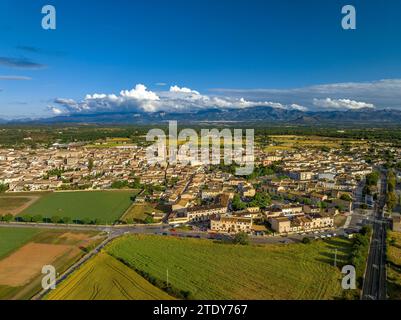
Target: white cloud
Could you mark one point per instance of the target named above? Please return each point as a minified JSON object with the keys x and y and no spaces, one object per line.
{"x":298,"y":107}
{"x":384,"y":93}
{"x":341,"y":104}
{"x":55,"y":111}
{"x":140,"y":93}
{"x":183,"y":90}
{"x":180,"y":99}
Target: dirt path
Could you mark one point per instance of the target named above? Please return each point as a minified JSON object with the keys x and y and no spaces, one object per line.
{"x":16,"y":211}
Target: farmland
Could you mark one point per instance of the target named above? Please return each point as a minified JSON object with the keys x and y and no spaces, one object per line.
{"x":23,"y":252}
{"x":15,"y":203}
{"x":291,"y":142}
{"x":209,"y":270}
{"x":394,"y":265}
{"x":102,"y":206}
{"x":13,"y":238}
{"x":104,"y":277}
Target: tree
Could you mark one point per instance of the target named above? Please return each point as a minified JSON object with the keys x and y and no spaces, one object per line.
{"x":27,"y":218}
{"x":237,"y":203}
{"x":66,"y":220}
{"x":391,"y":196}
{"x":241,"y":238}
{"x":149,"y":219}
{"x":55,"y":219}
{"x":261,"y":199}
{"x":119,"y":184}
{"x":366,"y":230}
{"x":86,"y":221}
{"x":306,"y":240}
{"x":90,"y":164}
{"x":37,"y":218}
{"x":8,"y":217}
{"x":3,"y":187}
{"x":372,"y":178}
{"x":346,"y":197}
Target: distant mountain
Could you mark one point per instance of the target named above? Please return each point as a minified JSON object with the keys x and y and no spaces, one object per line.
{"x":249,"y":115}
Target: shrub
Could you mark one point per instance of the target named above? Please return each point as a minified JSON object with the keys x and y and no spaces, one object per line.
{"x":306,"y":240}
{"x":241,"y":238}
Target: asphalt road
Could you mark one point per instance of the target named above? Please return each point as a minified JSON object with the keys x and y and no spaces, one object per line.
{"x":374,"y":286}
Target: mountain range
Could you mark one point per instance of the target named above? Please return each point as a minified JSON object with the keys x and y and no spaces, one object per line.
{"x":247,"y":115}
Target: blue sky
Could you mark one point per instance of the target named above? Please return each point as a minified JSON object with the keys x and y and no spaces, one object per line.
{"x":291,"y":54}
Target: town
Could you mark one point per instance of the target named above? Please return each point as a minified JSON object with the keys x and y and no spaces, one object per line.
{"x":290,"y":191}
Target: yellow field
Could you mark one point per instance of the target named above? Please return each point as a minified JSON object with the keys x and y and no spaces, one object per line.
{"x":104,"y":277}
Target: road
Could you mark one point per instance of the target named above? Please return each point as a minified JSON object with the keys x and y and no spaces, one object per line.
{"x":115,"y":231}
{"x":374,"y":285}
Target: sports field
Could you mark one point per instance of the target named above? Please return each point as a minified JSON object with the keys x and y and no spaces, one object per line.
{"x":104,"y":277}
{"x":105,"y":206}
{"x":209,"y":270}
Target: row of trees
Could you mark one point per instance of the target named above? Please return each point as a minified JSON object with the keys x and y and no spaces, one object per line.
{"x":359,"y":252}
{"x":391,"y":195}
{"x":54,"y":219}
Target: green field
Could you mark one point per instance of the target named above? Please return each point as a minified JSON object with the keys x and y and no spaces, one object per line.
{"x":209,"y":270}
{"x":104,"y":277}
{"x":13,"y":238}
{"x":394,"y":266}
{"x":106,"y":206}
